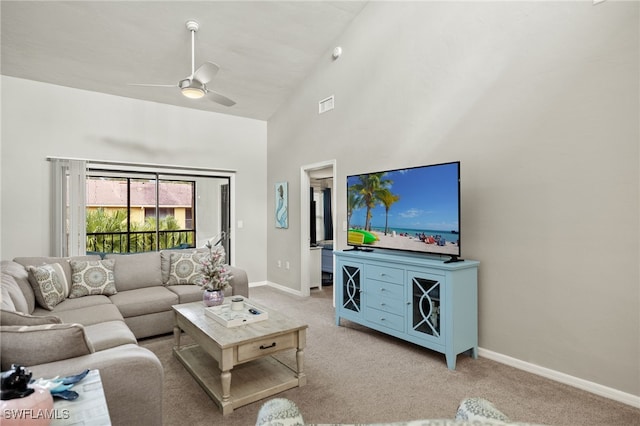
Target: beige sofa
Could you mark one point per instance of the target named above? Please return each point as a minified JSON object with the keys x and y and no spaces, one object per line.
{"x":56,"y":335}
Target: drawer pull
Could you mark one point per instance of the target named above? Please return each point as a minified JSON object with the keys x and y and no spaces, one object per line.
{"x":273,"y":345}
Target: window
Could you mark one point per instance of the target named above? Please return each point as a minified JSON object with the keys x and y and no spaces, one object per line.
{"x":129,"y":215}
{"x":123,"y":208}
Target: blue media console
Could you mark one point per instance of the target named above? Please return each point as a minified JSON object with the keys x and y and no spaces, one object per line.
{"x":418,"y":299}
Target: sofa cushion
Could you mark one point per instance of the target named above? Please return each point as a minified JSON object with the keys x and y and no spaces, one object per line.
{"x":149,"y":325}
{"x":18,"y":318}
{"x":49,"y":283}
{"x":137,"y":270}
{"x":109,"y":334}
{"x":91,"y":315}
{"x":92,"y":277}
{"x":16,"y":279}
{"x":6,"y":304}
{"x":71,"y":304}
{"x":144,"y":301}
{"x":23,"y":344}
{"x":187,"y":293}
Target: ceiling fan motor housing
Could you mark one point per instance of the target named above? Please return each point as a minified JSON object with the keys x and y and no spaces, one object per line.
{"x":192,"y":26}
{"x":192,"y":83}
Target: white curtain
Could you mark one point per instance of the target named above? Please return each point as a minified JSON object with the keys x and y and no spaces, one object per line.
{"x":69,"y":193}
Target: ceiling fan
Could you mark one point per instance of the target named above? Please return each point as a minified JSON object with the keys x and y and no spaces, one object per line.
{"x":194,"y":86}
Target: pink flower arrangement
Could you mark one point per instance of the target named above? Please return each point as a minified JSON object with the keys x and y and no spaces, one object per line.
{"x":215,"y":274}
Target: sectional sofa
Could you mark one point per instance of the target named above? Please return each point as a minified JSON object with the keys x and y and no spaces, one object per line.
{"x":60,"y":316}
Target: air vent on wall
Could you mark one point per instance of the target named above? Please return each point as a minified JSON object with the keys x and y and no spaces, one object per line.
{"x":325,"y":105}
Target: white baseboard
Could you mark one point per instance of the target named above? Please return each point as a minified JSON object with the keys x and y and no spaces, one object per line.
{"x":276,"y":286}
{"x":595,"y":388}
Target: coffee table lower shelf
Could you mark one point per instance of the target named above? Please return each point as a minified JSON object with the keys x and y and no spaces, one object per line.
{"x":250,"y":382}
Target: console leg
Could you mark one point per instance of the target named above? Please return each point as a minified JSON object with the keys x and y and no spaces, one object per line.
{"x":451,"y":361}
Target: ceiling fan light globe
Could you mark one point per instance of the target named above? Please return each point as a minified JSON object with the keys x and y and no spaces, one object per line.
{"x":192,"y":89}
{"x":192,"y":92}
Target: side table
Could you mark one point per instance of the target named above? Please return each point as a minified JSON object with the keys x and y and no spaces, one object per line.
{"x":89,"y":409}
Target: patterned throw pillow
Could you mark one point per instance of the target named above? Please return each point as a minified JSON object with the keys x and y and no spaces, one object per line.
{"x":281,"y":412}
{"x":185,"y":268}
{"x":479,"y":410}
{"x":49,"y":284}
{"x":92,"y":277}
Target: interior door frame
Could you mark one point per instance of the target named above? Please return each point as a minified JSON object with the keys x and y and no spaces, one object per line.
{"x":305,"y":237}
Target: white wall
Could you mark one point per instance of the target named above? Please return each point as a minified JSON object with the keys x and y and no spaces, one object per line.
{"x":40,"y":120}
{"x":539,"y":102}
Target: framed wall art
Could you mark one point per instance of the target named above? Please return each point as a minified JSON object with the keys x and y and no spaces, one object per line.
{"x":282,"y":205}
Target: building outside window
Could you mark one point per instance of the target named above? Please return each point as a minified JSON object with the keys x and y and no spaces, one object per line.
{"x":128,"y":215}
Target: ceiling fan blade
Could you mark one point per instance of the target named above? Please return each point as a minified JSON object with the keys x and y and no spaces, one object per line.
{"x":218,"y":98}
{"x":153,"y":85}
{"x":206,"y":72}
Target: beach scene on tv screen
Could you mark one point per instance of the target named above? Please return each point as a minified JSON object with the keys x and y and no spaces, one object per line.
{"x":413,"y":209}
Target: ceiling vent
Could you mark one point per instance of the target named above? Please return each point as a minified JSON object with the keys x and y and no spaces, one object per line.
{"x":325,"y":105}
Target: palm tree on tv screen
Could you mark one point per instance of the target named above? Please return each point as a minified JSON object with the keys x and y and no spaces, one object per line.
{"x":387,"y":198}
{"x":370,"y":187}
{"x":354,"y":202}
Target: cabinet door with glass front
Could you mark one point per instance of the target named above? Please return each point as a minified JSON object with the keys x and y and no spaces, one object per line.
{"x":426,"y":314}
{"x":349,"y":294}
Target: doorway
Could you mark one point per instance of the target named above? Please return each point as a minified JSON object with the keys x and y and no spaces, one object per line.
{"x":316,"y":179}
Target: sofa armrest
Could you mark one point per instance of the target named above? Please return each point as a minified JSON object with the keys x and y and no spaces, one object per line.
{"x":132,"y":379}
{"x":24,"y":344}
{"x":239,"y":282}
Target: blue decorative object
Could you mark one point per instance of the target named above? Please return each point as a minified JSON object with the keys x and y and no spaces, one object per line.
{"x":72,"y":380}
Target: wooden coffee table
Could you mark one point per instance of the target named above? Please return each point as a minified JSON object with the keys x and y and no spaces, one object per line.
{"x":244,"y":351}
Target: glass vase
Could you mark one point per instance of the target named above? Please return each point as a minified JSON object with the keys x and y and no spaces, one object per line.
{"x":212,"y":297}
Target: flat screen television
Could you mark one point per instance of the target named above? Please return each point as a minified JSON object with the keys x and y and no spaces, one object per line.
{"x":415,"y":209}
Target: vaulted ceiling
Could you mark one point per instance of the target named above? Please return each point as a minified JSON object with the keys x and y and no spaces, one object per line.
{"x":264,"y":48}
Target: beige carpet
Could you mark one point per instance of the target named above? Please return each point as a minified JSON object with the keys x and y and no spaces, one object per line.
{"x":356,"y":375}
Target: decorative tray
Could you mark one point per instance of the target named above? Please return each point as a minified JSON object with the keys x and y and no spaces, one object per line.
{"x":225,"y":316}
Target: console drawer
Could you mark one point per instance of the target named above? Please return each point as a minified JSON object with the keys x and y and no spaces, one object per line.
{"x":384,"y":303}
{"x":384,"y":289}
{"x":383,"y":273}
{"x":386,"y":319}
{"x":259,"y":348}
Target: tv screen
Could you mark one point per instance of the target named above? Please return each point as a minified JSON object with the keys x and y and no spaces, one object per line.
{"x":415,"y":209}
